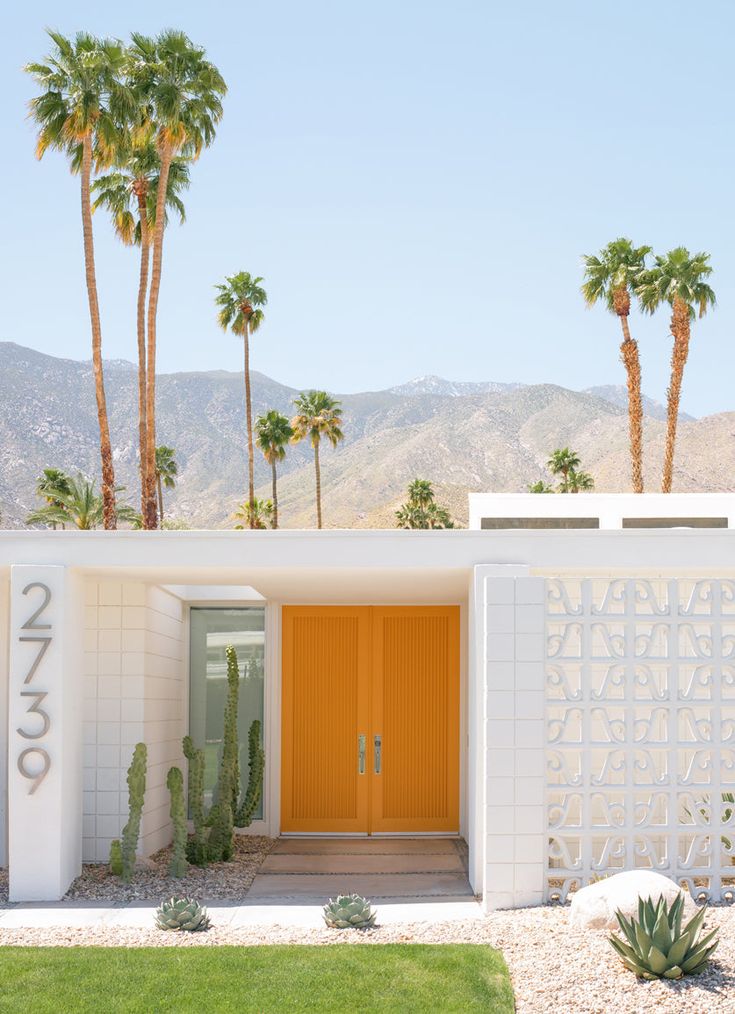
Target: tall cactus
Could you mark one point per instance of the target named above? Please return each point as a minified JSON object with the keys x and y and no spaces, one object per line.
{"x":220,"y":845}
{"x":252,"y":797}
{"x":196,"y":849}
{"x":136,"y":792}
{"x":175,"y":782}
{"x":116,"y":865}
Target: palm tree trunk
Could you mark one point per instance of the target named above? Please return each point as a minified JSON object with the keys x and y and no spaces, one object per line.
{"x":680,"y":328}
{"x":249,"y":417}
{"x":142,"y":293}
{"x":275,"y":493}
{"x":318,"y":487}
{"x":631,"y":361}
{"x":150,"y":511}
{"x":108,"y":469}
{"x":160,"y":502}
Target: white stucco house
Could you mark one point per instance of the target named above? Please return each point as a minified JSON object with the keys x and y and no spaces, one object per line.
{"x":560,"y":694}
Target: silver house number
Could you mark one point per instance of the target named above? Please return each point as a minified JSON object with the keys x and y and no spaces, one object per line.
{"x":34,"y":762}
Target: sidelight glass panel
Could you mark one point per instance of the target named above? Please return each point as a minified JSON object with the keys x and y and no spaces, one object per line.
{"x":211,"y":631}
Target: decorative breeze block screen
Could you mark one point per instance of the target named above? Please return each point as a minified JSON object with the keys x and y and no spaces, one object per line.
{"x":640,"y":732}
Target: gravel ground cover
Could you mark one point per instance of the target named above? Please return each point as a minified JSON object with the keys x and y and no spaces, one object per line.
{"x":555,"y":969}
{"x":217,"y":881}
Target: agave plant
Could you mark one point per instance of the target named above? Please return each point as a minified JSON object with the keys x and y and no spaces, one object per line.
{"x":182,"y":914}
{"x":658,"y":947}
{"x":349,"y":911}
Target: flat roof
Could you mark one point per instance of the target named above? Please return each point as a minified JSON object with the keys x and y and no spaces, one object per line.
{"x":267,"y":560}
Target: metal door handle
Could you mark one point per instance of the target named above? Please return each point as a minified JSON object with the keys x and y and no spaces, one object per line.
{"x":376,"y":753}
{"x":361,"y":755}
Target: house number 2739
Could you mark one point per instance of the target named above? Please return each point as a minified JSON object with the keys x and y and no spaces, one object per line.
{"x":34,"y":762}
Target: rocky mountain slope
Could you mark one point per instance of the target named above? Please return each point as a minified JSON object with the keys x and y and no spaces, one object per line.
{"x":462,"y":436}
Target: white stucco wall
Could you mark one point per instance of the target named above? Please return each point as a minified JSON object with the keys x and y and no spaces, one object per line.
{"x":134,"y":692}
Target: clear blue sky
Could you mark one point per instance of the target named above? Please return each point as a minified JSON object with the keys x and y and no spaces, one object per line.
{"x":416,"y":182}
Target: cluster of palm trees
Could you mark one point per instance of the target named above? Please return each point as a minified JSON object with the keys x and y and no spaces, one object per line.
{"x":622,"y":271}
{"x":421,"y":509}
{"x":240,"y":302}
{"x":73,"y":501}
{"x":566,"y":464}
{"x":135,"y":115}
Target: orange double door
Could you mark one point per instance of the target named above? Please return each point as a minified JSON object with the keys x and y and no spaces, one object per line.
{"x":370,"y":719}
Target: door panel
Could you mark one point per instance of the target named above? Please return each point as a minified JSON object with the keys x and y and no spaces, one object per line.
{"x":325,"y":708}
{"x":391,"y":673}
{"x":415,"y":711}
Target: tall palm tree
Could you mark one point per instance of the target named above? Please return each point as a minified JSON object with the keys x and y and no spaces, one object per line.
{"x":166,"y":472}
{"x":180,"y":94}
{"x":611,"y":277}
{"x":129,"y":194}
{"x":77,"y":503}
{"x":241,"y":300}
{"x":563,"y":462}
{"x":317,"y":415}
{"x":273,"y":434}
{"x":677,"y":278}
{"x":78,"y":112}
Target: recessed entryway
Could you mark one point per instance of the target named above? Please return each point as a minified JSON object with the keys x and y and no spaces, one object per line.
{"x":317,"y":868}
{"x":370,"y":720}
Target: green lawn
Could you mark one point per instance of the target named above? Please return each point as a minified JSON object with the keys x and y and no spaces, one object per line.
{"x":262,"y":980}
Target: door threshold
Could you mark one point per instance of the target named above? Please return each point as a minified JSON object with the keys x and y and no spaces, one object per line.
{"x":415,"y":834}
{"x":323,"y":834}
{"x":364,"y":834}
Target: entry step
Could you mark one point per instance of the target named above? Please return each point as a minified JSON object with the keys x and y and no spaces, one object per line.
{"x":362,"y":862}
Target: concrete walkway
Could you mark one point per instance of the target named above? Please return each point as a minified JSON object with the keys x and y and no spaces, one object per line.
{"x":85,"y":914}
{"x":408,"y":879}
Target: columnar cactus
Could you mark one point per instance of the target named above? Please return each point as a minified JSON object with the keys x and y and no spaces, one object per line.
{"x":250,"y":802}
{"x":197,"y":849}
{"x":116,"y":864}
{"x":136,"y":792}
{"x":220,"y":845}
{"x":175,"y":782}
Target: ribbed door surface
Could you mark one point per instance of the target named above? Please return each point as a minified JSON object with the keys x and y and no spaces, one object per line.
{"x":391,"y":675}
{"x":415,"y":711}
{"x":325,"y":708}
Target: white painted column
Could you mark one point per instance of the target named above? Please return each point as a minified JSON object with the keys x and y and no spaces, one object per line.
{"x":509,"y":749}
{"x":4,"y":652}
{"x":44,"y":732}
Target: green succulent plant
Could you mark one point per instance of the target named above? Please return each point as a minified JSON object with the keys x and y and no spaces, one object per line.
{"x":657,"y":946}
{"x":349,"y":911}
{"x":182,"y":914}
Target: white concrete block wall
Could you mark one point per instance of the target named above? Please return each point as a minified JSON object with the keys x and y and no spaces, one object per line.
{"x":4,"y":641}
{"x":134,"y":692}
{"x":513,"y":702}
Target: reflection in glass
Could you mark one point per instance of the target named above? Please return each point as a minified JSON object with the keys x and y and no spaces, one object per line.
{"x":211,"y":631}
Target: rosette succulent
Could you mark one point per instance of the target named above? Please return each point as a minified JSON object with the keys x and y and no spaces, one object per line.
{"x":657,"y":947}
{"x":349,"y":911}
{"x":182,"y":914}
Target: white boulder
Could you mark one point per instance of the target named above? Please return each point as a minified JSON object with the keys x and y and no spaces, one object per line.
{"x":594,"y":907}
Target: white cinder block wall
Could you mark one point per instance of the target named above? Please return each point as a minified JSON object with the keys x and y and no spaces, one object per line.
{"x":134,"y":692}
{"x":512,"y":675}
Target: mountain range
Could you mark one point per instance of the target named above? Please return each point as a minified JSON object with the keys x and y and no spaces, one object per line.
{"x":463,"y":436}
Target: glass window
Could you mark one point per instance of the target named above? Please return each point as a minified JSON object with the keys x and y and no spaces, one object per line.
{"x":211,"y":631}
